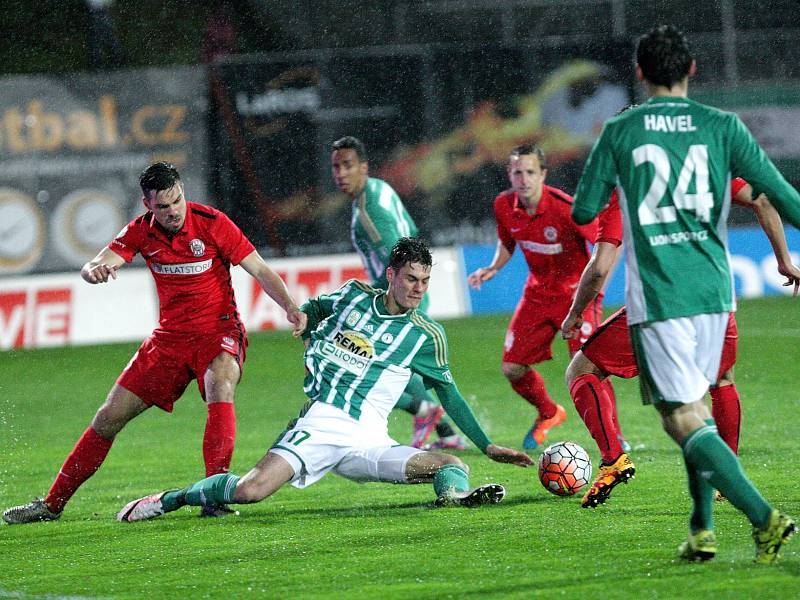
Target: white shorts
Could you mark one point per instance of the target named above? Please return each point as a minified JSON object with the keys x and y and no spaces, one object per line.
{"x":326,"y":439}
{"x":678,"y":358}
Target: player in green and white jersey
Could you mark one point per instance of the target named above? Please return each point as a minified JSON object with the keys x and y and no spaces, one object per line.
{"x":362,"y":346}
{"x":670,"y":160}
{"x":380,"y":219}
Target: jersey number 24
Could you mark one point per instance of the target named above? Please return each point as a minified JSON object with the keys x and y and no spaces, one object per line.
{"x":695,"y":163}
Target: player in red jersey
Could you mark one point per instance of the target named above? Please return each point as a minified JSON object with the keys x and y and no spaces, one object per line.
{"x":189,"y":249}
{"x":536,"y":217}
{"x":609,"y":351}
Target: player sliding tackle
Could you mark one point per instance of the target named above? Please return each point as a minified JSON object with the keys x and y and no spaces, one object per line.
{"x":362,"y":346}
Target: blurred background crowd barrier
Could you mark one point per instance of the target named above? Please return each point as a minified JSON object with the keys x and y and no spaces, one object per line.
{"x":440,"y":92}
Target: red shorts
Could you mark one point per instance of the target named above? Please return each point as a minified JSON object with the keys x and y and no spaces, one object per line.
{"x":536,"y":322}
{"x":611,"y":351}
{"x":166,"y":362}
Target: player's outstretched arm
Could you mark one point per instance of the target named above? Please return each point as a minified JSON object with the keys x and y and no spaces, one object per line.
{"x":276,"y":289}
{"x":458,"y":410}
{"x":508,"y":455}
{"x":101,"y":267}
{"x":771,"y":223}
{"x":501,"y":256}
{"x":592,"y":280}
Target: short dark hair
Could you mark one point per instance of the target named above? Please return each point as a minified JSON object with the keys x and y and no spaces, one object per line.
{"x":409,"y":250}
{"x":349,"y":142}
{"x":663,"y":55}
{"x":158,"y":177}
{"x":624,"y":108}
{"x":524,"y":149}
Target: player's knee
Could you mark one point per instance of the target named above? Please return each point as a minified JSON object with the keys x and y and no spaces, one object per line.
{"x":249,"y":491}
{"x":726,"y":379}
{"x":579,"y":365}
{"x":448,"y":460}
{"x":108,"y":422}
{"x":513,"y":371}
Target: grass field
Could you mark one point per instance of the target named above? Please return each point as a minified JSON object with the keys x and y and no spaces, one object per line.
{"x":338,"y":539}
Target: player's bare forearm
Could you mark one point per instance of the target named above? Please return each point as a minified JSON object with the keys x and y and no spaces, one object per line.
{"x":102,"y":267}
{"x":771,"y":223}
{"x":276,"y":289}
{"x":591,"y":283}
{"x":508,"y":455}
{"x":501,"y":256}
{"x":98,"y":273}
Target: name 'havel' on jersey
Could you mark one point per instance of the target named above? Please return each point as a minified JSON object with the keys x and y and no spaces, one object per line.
{"x":669,"y":124}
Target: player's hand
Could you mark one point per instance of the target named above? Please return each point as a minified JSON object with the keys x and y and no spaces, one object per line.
{"x":571,"y":326}
{"x":508,"y":455}
{"x":298,"y":319}
{"x":792,"y":274}
{"x":100,"y":273}
{"x":479,"y":276}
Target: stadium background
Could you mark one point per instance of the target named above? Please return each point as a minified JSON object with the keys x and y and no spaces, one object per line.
{"x":245,"y":98}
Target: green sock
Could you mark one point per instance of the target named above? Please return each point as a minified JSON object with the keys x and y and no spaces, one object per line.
{"x":211,"y":491}
{"x":444,"y":428}
{"x":714,"y":462}
{"x":702,"y":501}
{"x":450,"y":479}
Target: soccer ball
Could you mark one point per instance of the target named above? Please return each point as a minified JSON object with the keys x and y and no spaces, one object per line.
{"x":565,"y":468}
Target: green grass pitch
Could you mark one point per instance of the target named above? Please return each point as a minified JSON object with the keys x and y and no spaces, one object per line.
{"x":338,"y":539}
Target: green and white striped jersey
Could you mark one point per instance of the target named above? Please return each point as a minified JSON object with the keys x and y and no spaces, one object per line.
{"x":379,"y":220}
{"x":671,"y":160}
{"x":360,"y":358}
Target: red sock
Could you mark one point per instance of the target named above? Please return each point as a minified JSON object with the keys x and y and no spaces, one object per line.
{"x":612,"y":395}
{"x":531,"y":387}
{"x":85,"y":458}
{"x":727,"y":412}
{"x":219,"y":438}
{"x":595,"y":408}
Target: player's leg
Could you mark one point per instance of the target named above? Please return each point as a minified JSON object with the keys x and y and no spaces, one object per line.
{"x":595,"y":407}
{"x":725,"y":405}
{"x":450,"y":478}
{"x":528,"y":342}
{"x":677,"y":359}
{"x":301,"y":455}
{"x":528,"y":339}
{"x":221,"y":489}
{"x":404,"y":464}
{"x":85,"y":459}
{"x":218,"y":365}
{"x":610,"y":339}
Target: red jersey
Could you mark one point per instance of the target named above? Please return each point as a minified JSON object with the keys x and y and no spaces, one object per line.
{"x":609,"y":221}
{"x":191,"y":268}
{"x":555,"y":248}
